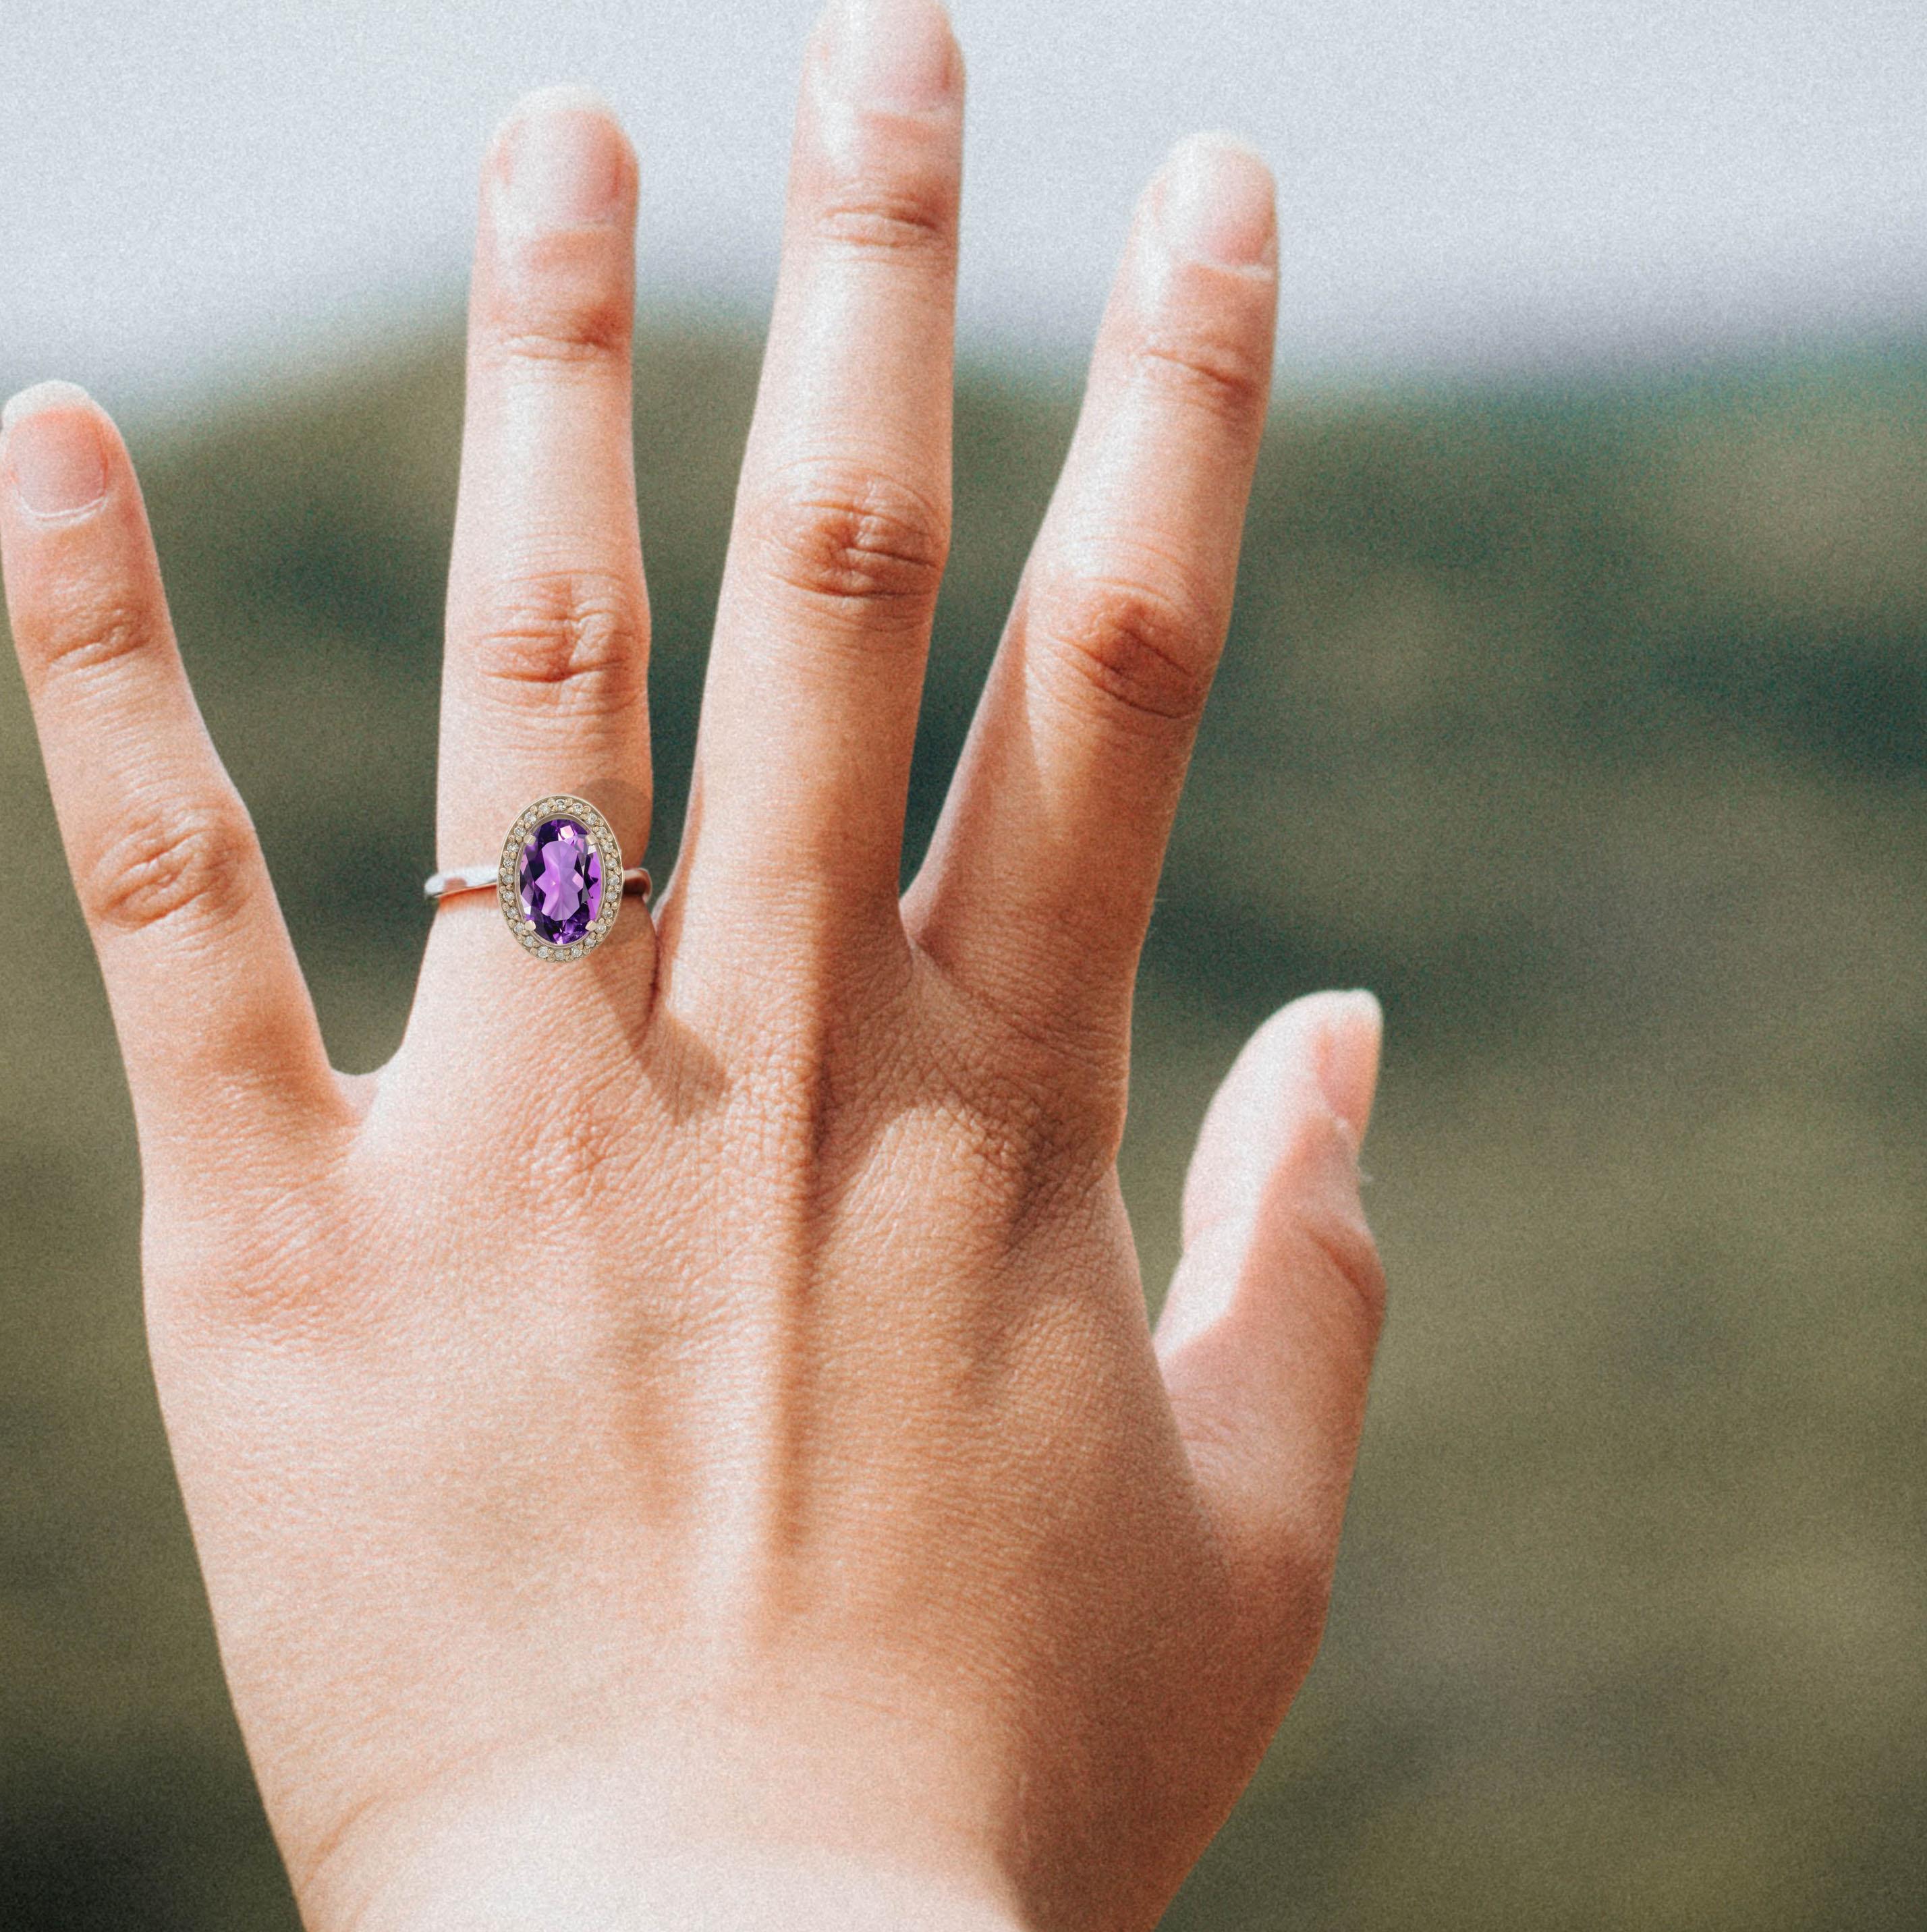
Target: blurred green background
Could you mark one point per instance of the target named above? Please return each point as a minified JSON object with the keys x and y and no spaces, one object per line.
{"x":1589,"y":726}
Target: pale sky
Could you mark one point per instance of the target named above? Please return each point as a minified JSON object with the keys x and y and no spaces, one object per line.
{"x":187,"y":189}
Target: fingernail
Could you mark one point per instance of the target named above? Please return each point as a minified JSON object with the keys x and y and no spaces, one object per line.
{"x":1348,"y":1058}
{"x":1216,"y":203}
{"x":54,"y":449}
{"x":890,"y":53}
{"x":565,"y":161}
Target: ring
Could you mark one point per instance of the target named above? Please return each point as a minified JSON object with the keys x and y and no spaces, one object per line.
{"x":557,"y":862}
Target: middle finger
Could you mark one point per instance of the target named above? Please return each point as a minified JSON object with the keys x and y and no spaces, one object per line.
{"x":843,"y":514}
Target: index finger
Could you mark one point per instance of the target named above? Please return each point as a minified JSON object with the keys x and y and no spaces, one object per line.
{"x":215,"y":1019}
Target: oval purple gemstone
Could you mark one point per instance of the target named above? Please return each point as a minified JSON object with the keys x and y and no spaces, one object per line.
{"x":560,"y":883}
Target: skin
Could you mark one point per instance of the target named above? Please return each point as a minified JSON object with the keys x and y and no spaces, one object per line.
{"x":732,"y":1483}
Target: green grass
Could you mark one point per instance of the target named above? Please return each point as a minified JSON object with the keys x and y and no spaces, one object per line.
{"x":1589,"y":727}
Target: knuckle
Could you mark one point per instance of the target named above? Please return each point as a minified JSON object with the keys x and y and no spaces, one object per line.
{"x":570,"y":640}
{"x":172,"y":859}
{"x":1208,"y":370}
{"x":853,"y":537}
{"x":561,"y":311}
{"x":564,"y":334}
{"x":1350,"y":1257}
{"x":902,"y":208}
{"x":1142,"y":649}
{"x":90,"y":635}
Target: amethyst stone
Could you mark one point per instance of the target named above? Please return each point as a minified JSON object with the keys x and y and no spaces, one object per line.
{"x":560,"y":881}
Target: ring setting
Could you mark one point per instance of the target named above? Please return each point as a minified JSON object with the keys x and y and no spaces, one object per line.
{"x":560,"y":881}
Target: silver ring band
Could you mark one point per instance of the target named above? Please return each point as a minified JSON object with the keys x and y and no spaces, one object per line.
{"x":551,"y":883}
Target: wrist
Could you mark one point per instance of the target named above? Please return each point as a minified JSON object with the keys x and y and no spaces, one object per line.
{"x":713,"y":1890}
{"x":529,"y":1850}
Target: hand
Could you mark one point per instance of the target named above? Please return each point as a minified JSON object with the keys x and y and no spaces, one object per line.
{"x":683,"y":1444}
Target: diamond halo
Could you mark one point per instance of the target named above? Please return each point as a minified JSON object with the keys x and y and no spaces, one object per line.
{"x":560,"y":805}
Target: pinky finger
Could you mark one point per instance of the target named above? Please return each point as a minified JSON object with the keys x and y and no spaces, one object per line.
{"x":216,"y":1027}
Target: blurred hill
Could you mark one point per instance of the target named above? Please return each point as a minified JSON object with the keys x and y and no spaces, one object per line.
{"x":1590,"y":728}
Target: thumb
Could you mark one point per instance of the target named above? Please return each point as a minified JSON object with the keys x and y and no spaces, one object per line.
{"x":1267,"y":1337}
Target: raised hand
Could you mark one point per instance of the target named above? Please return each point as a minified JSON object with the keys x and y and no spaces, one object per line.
{"x":682,"y":1445}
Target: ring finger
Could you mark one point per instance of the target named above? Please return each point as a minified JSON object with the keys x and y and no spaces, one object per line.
{"x":544,"y":689}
